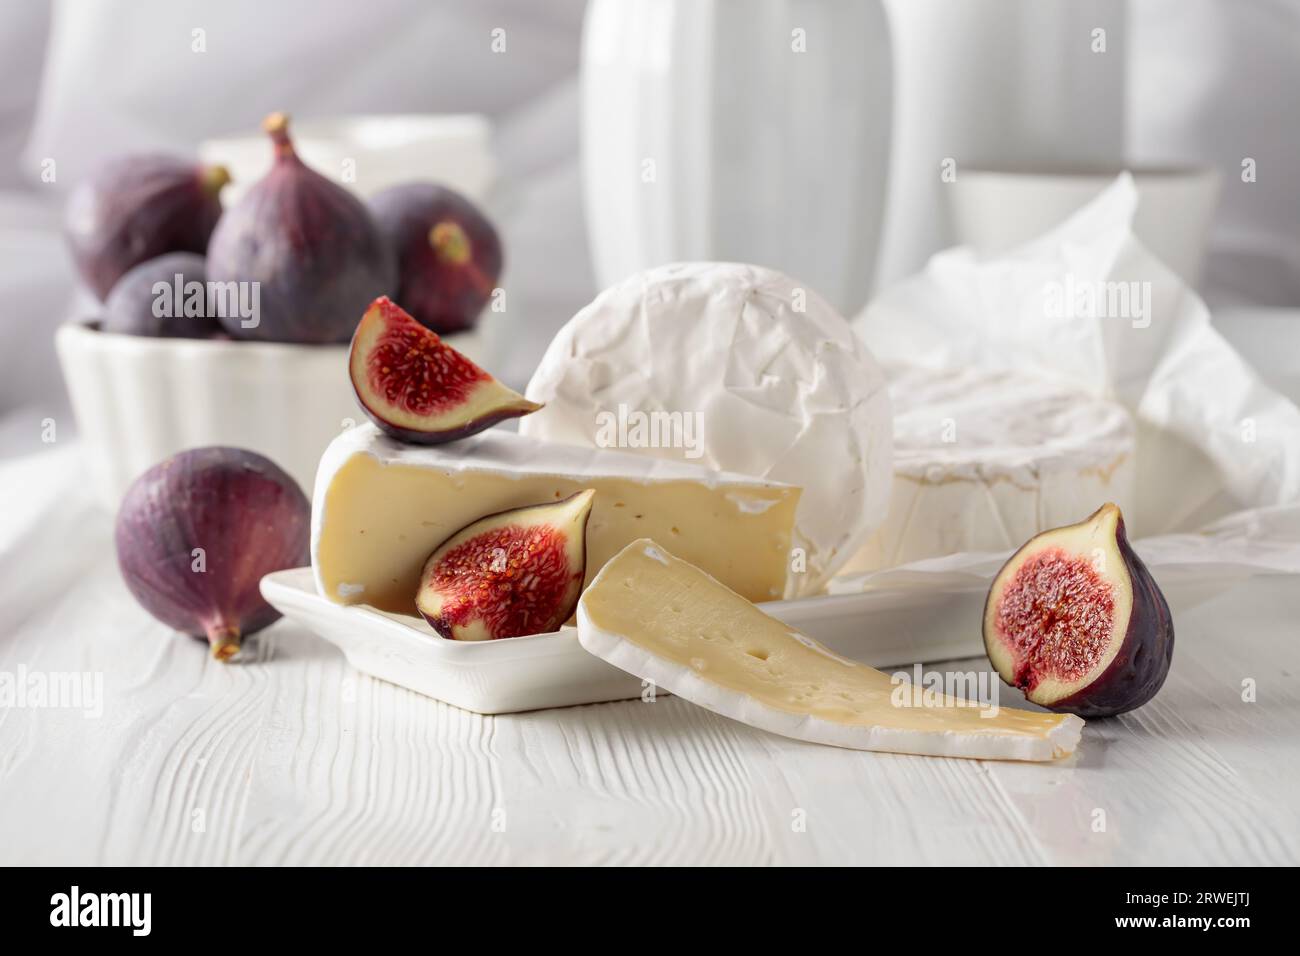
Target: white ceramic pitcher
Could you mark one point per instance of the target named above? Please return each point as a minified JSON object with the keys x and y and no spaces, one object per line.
{"x":739,"y":130}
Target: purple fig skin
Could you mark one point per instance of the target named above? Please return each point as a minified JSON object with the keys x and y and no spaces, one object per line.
{"x":137,"y":207}
{"x":1146,"y":649}
{"x":449,"y":255}
{"x":1139,"y":669}
{"x":410,"y":436}
{"x":131,"y":306}
{"x":248,"y":516}
{"x":311,"y":246}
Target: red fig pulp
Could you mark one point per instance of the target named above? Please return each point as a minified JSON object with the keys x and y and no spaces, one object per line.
{"x":448,"y":254}
{"x":136,"y":208}
{"x":310,"y":246}
{"x":418,"y":388}
{"x":1075,"y":620}
{"x":509,"y":574}
{"x":197,"y":532}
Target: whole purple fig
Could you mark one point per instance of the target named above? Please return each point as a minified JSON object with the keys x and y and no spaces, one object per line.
{"x":449,"y":255}
{"x":196,"y":533}
{"x":137,"y":207}
{"x":164,"y":297}
{"x":309,"y":246}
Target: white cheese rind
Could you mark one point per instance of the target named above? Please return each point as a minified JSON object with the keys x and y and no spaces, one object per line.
{"x":510,"y":454}
{"x":637,"y":654}
{"x":782,"y":386}
{"x":380,"y":507}
{"x":983,"y":461}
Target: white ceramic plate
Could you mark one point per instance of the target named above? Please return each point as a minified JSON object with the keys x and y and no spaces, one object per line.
{"x":881,"y":628}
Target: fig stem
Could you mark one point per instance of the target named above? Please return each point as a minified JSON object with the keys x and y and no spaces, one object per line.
{"x":453,"y":247}
{"x":214,"y":178}
{"x":224,"y":641}
{"x":276,"y":126}
{"x":450,"y":242}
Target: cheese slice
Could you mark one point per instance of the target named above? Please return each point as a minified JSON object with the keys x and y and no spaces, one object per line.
{"x":985,"y":460}
{"x":663,"y":620}
{"x":381,"y":507}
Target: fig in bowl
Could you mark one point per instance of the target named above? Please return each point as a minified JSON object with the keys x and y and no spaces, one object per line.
{"x":1076,"y":621}
{"x":165,"y":298}
{"x":137,"y":207}
{"x":449,"y":255}
{"x":310,"y":247}
{"x":418,"y":388}
{"x":197,"y":532}
{"x":510,"y":574}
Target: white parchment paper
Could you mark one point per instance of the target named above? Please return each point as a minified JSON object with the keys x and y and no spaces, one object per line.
{"x":1218,"y":450}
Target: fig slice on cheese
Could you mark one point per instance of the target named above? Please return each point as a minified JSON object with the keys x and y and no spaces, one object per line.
{"x":419,"y":389}
{"x":510,"y":574}
{"x":666,"y":621}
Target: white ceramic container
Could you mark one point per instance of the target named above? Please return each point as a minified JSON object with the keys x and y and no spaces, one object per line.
{"x":738,"y":130}
{"x":138,"y":400}
{"x":370,"y":153}
{"x":881,"y":628}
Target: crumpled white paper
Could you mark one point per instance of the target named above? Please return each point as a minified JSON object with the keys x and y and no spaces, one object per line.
{"x":1213,"y":437}
{"x":1218,"y":451}
{"x":1194,"y":565}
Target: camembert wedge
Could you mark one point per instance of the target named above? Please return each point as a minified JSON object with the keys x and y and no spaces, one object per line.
{"x":664,"y":620}
{"x":380,"y":508}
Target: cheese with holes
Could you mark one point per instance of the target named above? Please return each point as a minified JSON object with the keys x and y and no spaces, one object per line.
{"x":380,"y":508}
{"x":663,"y":620}
{"x":983,"y":461}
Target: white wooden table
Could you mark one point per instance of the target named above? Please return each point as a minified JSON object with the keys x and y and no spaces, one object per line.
{"x":293,"y":757}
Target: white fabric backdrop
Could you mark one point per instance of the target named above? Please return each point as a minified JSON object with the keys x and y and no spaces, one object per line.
{"x":1208,"y":81}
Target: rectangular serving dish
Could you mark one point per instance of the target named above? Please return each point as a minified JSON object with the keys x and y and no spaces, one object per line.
{"x":881,"y":627}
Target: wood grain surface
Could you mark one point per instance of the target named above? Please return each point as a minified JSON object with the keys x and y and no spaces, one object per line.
{"x":292,"y":757}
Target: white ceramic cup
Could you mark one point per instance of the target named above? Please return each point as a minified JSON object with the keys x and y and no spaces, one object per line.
{"x":995,"y":210}
{"x":370,"y":153}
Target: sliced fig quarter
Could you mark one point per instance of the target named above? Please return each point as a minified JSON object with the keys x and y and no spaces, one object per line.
{"x":509,"y":574}
{"x":418,"y":388}
{"x":1076,"y":621}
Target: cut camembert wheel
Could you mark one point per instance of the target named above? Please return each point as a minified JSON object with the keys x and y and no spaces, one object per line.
{"x":381,"y":507}
{"x":738,"y":368}
{"x":666,"y":621}
{"x":985,"y":460}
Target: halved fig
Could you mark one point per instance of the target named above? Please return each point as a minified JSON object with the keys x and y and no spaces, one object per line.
{"x":1076,"y":621}
{"x":509,"y":574}
{"x":418,"y":388}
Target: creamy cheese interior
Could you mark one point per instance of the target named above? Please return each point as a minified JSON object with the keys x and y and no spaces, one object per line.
{"x":679,"y":615}
{"x":379,"y":521}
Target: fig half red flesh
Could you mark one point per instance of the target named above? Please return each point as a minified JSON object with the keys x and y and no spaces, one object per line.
{"x":418,"y":388}
{"x":1076,"y":621}
{"x":509,"y":574}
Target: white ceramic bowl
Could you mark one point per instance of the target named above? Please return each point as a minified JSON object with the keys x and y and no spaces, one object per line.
{"x":370,"y":153}
{"x":138,"y":400}
{"x":995,"y":210}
